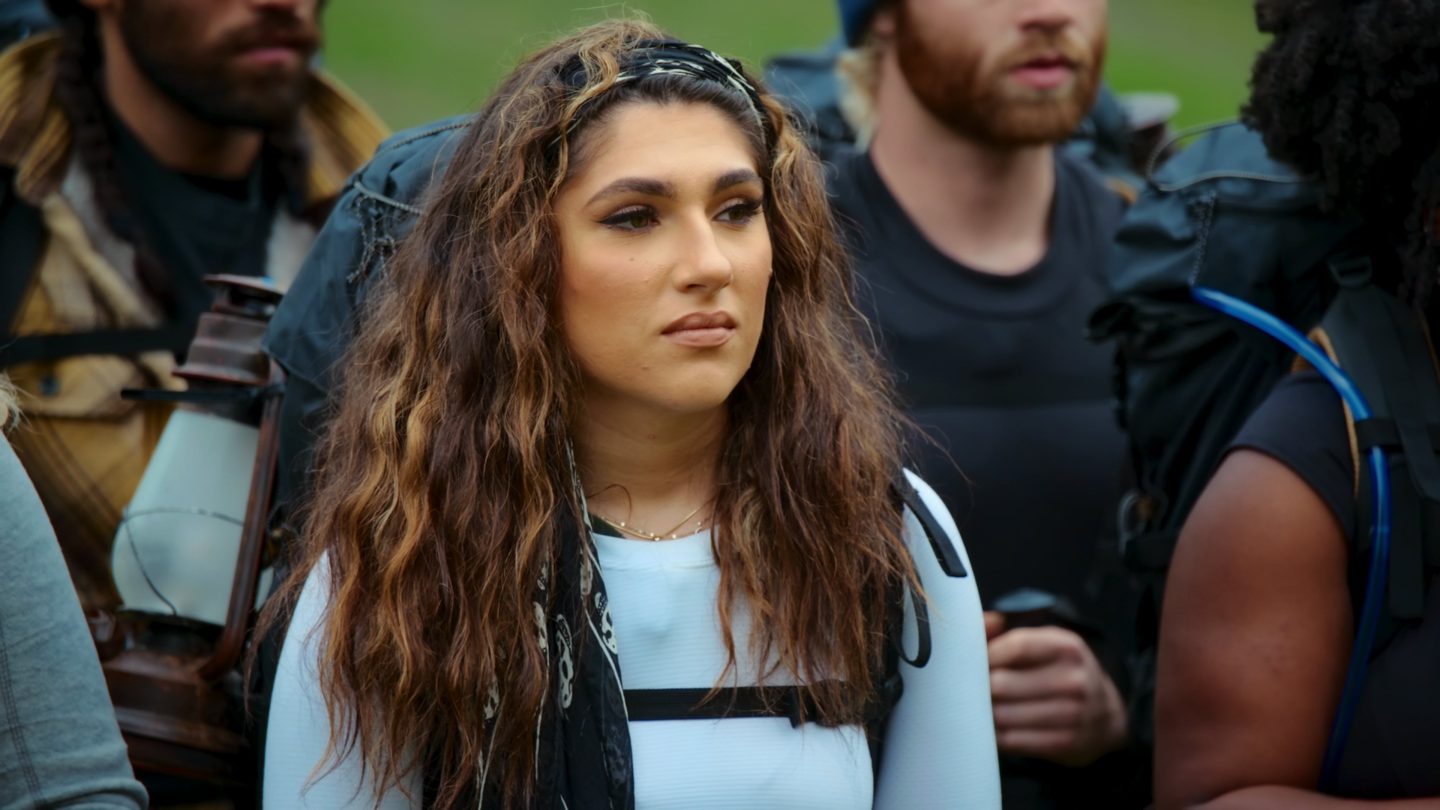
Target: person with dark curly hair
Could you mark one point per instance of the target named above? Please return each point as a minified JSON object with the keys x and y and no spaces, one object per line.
{"x":1265,"y":588}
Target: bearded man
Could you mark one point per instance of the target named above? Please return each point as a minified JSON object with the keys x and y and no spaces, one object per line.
{"x":144,"y":145}
{"x":981,"y":249}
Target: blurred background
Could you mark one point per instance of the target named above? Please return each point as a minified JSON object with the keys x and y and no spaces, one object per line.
{"x":426,"y":59}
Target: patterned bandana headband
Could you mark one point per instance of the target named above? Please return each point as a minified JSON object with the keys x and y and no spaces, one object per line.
{"x":672,"y":58}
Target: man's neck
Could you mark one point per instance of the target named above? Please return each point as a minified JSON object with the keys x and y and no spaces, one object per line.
{"x":986,"y":207}
{"x":173,"y":135}
{"x":650,"y":470}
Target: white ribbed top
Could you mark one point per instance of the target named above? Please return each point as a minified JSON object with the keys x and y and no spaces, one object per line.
{"x":939,"y":748}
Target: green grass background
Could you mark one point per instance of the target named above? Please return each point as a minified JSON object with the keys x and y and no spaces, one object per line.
{"x":417,"y":60}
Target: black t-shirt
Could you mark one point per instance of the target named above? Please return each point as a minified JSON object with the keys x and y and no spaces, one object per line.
{"x":1395,"y":737}
{"x":996,"y":369}
{"x":1026,"y":451}
{"x":196,"y":226}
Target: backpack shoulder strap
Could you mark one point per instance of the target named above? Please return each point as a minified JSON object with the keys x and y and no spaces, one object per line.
{"x":22,"y":232}
{"x":1383,"y":346}
{"x":172,"y":337}
{"x":944,"y":550}
{"x":643,"y":705}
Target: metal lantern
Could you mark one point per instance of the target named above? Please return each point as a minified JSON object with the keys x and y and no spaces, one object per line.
{"x":188,"y":555}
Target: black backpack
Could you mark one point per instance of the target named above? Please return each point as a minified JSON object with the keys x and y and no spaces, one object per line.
{"x":1224,"y":216}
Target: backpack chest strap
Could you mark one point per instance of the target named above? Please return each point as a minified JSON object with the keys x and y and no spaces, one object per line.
{"x":645,"y":705}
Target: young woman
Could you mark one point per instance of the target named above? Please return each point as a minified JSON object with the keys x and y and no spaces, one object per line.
{"x":1262,"y":601}
{"x":612,"y":428}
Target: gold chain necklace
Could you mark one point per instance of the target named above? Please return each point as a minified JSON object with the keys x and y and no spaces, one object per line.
{"x":673,"y":533}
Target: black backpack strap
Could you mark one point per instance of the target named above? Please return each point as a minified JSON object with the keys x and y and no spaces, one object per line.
{"x":22,"y":235}
{"x":645,"y":705}
{"x":171,"y":337}
{"x":1381,"y":343}
{"x":945,"y":552}
{"x":891,"y":685}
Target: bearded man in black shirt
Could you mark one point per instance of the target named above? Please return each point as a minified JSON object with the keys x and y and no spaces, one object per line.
{"x":981,"y":250}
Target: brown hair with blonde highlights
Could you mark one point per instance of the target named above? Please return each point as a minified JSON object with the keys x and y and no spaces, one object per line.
{"x":443,"y":478}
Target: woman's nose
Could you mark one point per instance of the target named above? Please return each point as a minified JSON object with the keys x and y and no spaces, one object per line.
{"x":704,"y":265}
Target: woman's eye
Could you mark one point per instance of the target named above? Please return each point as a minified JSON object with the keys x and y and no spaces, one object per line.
{"x":630,"y":219}
{"x":741,"y":212}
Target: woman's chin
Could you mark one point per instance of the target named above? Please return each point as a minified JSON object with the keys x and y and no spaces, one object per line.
{"x":676,"y":390}
{"x":698,"y":402}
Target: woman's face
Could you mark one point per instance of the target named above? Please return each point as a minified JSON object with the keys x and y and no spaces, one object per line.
{"x":665,"y":258}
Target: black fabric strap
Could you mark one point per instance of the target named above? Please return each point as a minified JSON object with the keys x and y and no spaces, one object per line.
{"x":22,"y":234}
{"x":1400,"y":382}
{"x":1406,"y":590}
{"x":202,"y":396}
{"x":646,"y":705}
{"x":48,"y":348}
{"x":1432,"y":537}
{"x":1150,"y":551}
{"x":1375,"y":432}
{"x":944,"y":551}
{"x":922,"y":631}
{"x":688,"y":704}
{"x":1382,"y":346}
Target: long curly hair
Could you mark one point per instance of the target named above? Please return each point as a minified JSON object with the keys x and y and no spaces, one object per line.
{"x":1347,"y":92}
{"x":444,"y":474}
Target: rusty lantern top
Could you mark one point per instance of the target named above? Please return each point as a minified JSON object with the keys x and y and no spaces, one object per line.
{"x":226,"y":349}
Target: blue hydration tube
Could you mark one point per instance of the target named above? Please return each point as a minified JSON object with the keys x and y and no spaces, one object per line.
{"x":1380,"y":493}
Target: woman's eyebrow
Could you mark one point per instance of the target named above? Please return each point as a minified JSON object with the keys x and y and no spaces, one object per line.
{"x":736,"y":177}
{"x":653,"y":187}
{"x":648,"y":186}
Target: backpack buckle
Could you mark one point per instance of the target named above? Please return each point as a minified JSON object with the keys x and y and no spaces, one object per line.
{"x":1353,"y":272}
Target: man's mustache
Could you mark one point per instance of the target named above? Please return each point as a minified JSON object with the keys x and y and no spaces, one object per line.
{"x":276,"y":31}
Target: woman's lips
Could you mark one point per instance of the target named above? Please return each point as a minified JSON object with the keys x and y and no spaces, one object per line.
{"x":701,"y":338}
{"x":701,"y":329}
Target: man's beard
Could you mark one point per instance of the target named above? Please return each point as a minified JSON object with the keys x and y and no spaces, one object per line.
{"x":976,"y":100}
{"x":204,"y":80}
